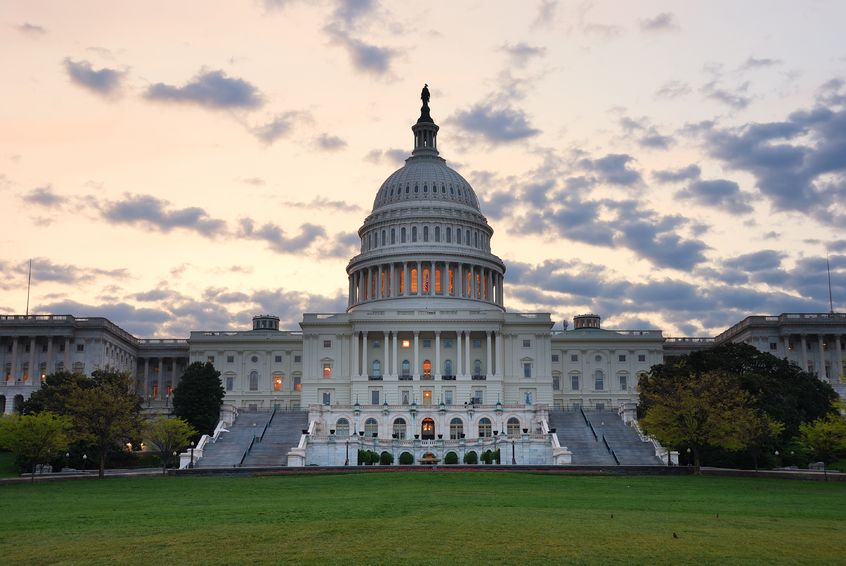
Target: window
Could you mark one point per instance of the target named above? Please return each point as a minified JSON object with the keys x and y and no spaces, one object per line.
{"x":527,"y":397}
{"x":79,"y":348}
{"x":448,"y":397}
{"x":485,"y":428}
{"x":405,"y":343}
{"x":413,"y":285}
{"x":230,"y":359}
{"x":342,"y":427}
{"x":598,"y":381}
{"x":425,"y":233}
{"x":458,"y":235}
{"x":393,"y":235}
{"x":327,"y":398}
{"x":399,"y":428}
{"x":574,"y":357}
{"x":298,"y":359}
{"x":377,"y":344}
{"x":624,"y":382}
{"x":449,"y":235}
{"x":773,"y":346}
{"x":230,"y":383}
{"x":621,"y":358}
{"x":447,"y":343}
{"x":298,"y":386}
{"x":374,"y":396}
{"x":371,"y":428}
{"x":376,"y":368}
{"x":477,"y":367}
{"x":641,"y":357}
{"x":414,"y":233}
{"x":556,"y":382}
{"x":456,"y":428}
{"x":427,"y":343}
{"x":402,"y":235}
{"x":597,"y":358}
{"x":253,"y":380}
{"x":406,"y":367}
{"x":277,"y":383}
{"x":574,"y":382}
{"x":527,"y":343}
{"x":427,"y":368}
{"x":512,"y":427}
{"x":448,"y":367}
{"x":554,"y":358}
{"x":477,"y":343}
{"x":527,"y":369}
{"x":210,"y":359}
{"x":277,"y":359}
{"x":327,"y":343}
{"x":254,"y":359}
{"x":478,"y":397}
{"x":327,"y":370}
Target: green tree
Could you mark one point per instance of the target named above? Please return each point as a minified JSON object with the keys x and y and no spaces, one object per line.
{"x":107,"y":414}
{"x":54,"y":393}
{"x":198,"y":397}
{"x":35,"y":439}
{"x":168,"y":436}
{"x":760,"y":433}
{"x":824,"y":439}
{"x":711,"y":410}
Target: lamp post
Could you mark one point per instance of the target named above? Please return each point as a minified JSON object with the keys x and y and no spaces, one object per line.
{"x":175,"y":461}
{"x":688,"y":456}
{"x":496,"y":437}
{"x":84,"y":462}
{"x":191,"y":464}
{"x":513,"y":457}
{"x":67,"y":459}
{"x":347,"y":459}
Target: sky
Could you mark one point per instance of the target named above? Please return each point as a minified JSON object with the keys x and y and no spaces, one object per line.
{"x":178,"y":166}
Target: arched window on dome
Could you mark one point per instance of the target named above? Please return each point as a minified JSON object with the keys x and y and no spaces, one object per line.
{"x":469,"y":285}
{"x":414,"y":233}
{"x":416,"y":189}
{"x":437,"y":233}
{"x":458,"y":235}
{"x":413,"y":282}
{"x":443,"y":189}
{"x":476,"y":239}
{"x":449,"y":235}
{"x":402,"y":280}
{"x":393,"y":235}
{"x":425,"y":233}
{"x":451,"y":190}
{"x":451,"y":283}
{"x":406,"y":189}
{"x":425,"y":188}
{"x":402,"y":235}
{"x":384,"y":240}
{"x":438,"y":287}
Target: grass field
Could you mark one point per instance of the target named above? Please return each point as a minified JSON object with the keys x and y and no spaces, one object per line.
{"x":423,"y":517}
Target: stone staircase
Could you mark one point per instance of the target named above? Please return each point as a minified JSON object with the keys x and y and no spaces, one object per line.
{"x":623,"y":439}
{"x":230,"y":446}
{"x":575,"y":434}
{"x":283,"y":433}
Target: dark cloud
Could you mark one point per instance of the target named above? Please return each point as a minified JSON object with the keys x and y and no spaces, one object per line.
{"x":522,"y":52}
{"x":329,"y":142}
{"x":156,"y":213}
{"x":718,"y":193}
{"x":762,"y":63}
{"x":276,"y":239}
{"x":349,"y":12}
{"x":45,"y":270}
{"x":342,"y":245}
{"x":31,"y":30}
{"x":688,"y":173}
{"x":498,"y":204}
{"x":44,"y":196}
{"x":736,"y":98}
{"x":136,"y":321}
{"x":545,"y":14}
{"x":757,"y":261}
{"x":673,"y":89}
{"x":665,"y":21}
{"x":393,"y":155}
{"x":279,"y":127}
{"x":105,"y":81}
{"x":495,"y":123}
{"x":645,"y":134}
{"x":210,"y":89}
{"x":613,"y":168}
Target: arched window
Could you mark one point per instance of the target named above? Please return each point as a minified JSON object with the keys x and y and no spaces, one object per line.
{"x":427,"y":368}
{"x":598,"y":380}
{"x":512,"y":427}
{"x":477,"y":367}
{"x":438,"y":289}
{"x":425,"y":233}
{"x":400,"y":428}
{"x":414,"y":233}
{"x":371,"y":428}
{"x":342,"y":427}
{"x":393,"y":235}
{"x":449,"y":235}
{"x":456,"y":428}
{"x":406,"y":368}
{"x":277,"y":382}
{"x":485,"y":428}
{"x":384,"y":241}
{"x":402,"y":235}
{"x":458,"y":235}
{"x":376,"y":369}
{"x":448,"y":367}
{"x":437,"y":233}
{"x":253,"y":380}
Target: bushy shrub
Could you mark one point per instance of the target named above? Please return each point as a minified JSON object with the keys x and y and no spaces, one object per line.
{"x":386,"y":458}
{"x":406,"y":459}
{"x":487,"y":456}
{"x":471,"y":458}
{"x":451,"y":458}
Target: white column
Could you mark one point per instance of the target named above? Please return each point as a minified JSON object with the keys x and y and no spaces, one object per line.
{"x":49,"y":368}
{"x":416,"y":371}
{"x":33,"y":371}
{"x":458,"y":366}
{"x":379,"y":285}
{"x":355,"y":366}
{"x":499,"y":354}
{"x":821,"y":370}
{"x":488,"y":352}
{"x":364,"y":368}
{"x":804,"y":353}
{"x":386,"y":367}
{"x":437,"y":354}
{"x":394,"y":356}
{"x":838,"y":362}
{"x":405,"y":278}
{"x":469,"y":367}
{"x":67,"y":354}
{"x":419,"y":278}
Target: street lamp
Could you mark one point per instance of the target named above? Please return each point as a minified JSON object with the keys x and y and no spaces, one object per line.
{"x":191,"y":464}
{"x":513,"y":458}
{"x":84,"y":462}
{"x":688,"y":455}
{"x":347,"y":459}
{"x":175,"y":461}
{"x":67,"y":459}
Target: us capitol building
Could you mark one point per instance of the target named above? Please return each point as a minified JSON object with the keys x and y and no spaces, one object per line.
{"x":424,"y":354}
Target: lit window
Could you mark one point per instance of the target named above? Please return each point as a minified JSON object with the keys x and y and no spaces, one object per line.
{"x":427,"y":368}
{"x":406,"y":343}
{"x":413,"y":281}
{"x":327,"y":370}
{"x":277,"y":383}
{"x":298,"y":386}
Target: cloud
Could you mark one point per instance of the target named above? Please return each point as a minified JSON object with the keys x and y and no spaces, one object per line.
{"x":156,"y":213}
{"x":342,"y":245}
{"x":613,"y":169}
{"x":365,"y":57}
{"x":279,"y":127}
{"x":665,"y":21}
{"x":646,"y":134}
{"x":322,"y":202}
{"x":545,"y":14}
{"x":44,"y":196}
{"x":275,"y":236}
{"x":137,"y":321}
{"x":349,"y":12}
{"x":329,"y":142}
{"x":673,"y":89}
{"x":105,"y":81}
{"x":762,"y":63}
{"x":736,"y":99}
{"x":209,"y":89}
{"x":31,"y":30}
{"x":718,"y":193}
{"x":688,"y":173}
{"x":500,"y":124}
{"x":758,"y":261}
{"x":45,"y":270}
{"x":255,"y":181}
{"x":522,"y":52}
{"x":393,"y":155}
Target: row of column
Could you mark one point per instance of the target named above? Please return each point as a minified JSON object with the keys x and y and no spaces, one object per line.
{"x":835,"y":362}
{"x":13,"y":359}
{"x":425,"y":278}
{"x":157,"y":387}
{"x":390,"y":356}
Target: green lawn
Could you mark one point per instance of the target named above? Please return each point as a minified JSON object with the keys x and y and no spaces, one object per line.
{"x":436,"y":518}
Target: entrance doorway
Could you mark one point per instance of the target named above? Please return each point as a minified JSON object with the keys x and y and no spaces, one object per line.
{"x":427,"y":429}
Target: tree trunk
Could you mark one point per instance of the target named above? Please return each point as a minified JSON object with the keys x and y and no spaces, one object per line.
{"x":696,"y":466}
{"x":102,"y":471}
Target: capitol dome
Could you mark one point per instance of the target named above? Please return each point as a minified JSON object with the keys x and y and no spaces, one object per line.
{"x":426,"y":238}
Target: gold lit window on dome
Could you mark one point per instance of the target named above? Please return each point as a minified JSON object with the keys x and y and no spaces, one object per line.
{"x":438,"y":286}
{"x":478,"y":286}
{"x":382,"y":284}
{"x":426,"y":281}
{"x":402,"y":281}
{"x":413,"y":281}
{"x":451,"y":283}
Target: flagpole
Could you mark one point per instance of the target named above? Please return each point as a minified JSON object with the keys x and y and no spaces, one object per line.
{"x":28,"y":286}
{"x":830,"y":301}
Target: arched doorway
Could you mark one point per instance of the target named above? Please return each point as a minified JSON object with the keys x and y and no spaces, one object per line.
{"x":427,"y":429}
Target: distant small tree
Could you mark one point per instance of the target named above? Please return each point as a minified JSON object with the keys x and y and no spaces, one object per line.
{"x":54,"y":393}
{"x":168,"y":436}
{"x":35,"y":439}
{"x":710,"y":410}
{"x":451,"y":458}
{"x":386,"y":458}
{"x":406,"y":459}
{"x":759,"y":433}
{"x":199,"y":396}
{"x":824,"y":439}
{"x":471,"y":458}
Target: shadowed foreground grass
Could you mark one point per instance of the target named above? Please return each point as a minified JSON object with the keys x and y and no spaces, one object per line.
{"x":437,"y":518}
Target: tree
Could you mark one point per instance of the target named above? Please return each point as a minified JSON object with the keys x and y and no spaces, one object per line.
{"x":824,"y":439}
{"x":107,"y":414}
{"x":711,"y":410}
{"x":54,"y":393}
{"x":168,"y":436}
{"x":198,"y":397}
{"x":35,"y":439}
{"x":759,"y":433}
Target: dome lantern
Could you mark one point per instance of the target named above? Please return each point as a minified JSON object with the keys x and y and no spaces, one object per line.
{"x":425,"y":130}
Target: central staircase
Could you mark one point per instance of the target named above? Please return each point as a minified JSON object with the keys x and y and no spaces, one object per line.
{"x":582,"y":432}
{"x":283,"y":433}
